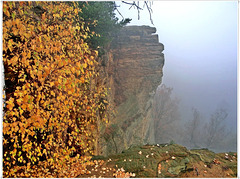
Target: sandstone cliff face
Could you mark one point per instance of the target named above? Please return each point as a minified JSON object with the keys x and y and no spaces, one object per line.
{"x":134,"y":70}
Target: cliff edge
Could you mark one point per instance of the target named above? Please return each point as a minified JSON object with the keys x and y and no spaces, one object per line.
{"x":134,"y":68}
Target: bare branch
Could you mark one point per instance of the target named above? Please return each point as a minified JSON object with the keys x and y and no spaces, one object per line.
{"x":149,"y":10}
{"x":136,"y":4}
{"x":133,"y":4}
{"x":119,"y":13}
{"x":138,"y":12}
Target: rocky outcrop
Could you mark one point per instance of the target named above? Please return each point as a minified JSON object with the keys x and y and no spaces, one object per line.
{"x":138,"y":62}
{"x":170,"y":161}
{"x":134,"y":69}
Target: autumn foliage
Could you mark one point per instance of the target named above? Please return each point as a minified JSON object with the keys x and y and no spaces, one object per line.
{"x":53,"y":99}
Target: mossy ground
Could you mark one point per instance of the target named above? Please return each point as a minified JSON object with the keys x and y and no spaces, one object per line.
{"x":170,"y":160}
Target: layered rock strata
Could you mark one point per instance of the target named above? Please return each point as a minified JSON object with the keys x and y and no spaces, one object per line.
{"x":134,"y":69}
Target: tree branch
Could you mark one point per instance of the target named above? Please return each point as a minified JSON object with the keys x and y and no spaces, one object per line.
{"x":137,"y":5}
{"x":133,"y":4}
{"x":149,"y":10}
{"x":119,"y":13}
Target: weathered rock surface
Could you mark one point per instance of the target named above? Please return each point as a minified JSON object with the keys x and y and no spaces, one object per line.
{"x":134,"y":69}
{"x":173,"y":161}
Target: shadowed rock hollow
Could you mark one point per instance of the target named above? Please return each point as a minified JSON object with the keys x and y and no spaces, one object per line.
{"x":134,"y":71}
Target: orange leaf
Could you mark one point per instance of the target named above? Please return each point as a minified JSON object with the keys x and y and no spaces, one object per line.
{"x":10,"y":104}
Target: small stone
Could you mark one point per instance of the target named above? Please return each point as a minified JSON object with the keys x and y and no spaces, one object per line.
{"x":159,"y":168}
{"x":158,"y":145}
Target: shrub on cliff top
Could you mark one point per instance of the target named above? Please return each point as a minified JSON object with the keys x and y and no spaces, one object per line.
{"x":101,"y":18}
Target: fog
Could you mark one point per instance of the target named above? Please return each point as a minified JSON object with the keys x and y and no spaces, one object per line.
{"x":200,"y":40}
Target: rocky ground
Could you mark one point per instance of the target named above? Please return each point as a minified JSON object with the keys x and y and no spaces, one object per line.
{"x":166,"y":160}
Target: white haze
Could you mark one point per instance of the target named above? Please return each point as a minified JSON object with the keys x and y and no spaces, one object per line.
{"x":200,"y":40}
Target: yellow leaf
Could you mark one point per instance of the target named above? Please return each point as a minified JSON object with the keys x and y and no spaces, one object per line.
{"x":7,"y":13}
{"x":10,"y":104}
{"x":29,"y":54}
{"x":82,"y":80}
{"x":52,"y":93}
{"x":51,"y":84}
{"x":13,"y":60}
{"x":73,"y":70}
{"x":85,"y":65}
{"x":76,"y":11}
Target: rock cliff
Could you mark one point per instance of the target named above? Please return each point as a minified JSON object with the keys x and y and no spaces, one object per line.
{"x":134,"y":70}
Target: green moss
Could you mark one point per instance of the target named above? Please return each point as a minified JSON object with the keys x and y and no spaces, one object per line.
{"x":143,"y":166}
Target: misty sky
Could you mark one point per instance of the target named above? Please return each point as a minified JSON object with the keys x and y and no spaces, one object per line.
{"x":200,"y":39}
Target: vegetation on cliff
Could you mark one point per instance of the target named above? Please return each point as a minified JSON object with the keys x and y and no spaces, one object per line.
{"x":56,"y":96}
{"x":53,"y":101}
{"x":164,"y":161}
{"x":107,"y":23}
